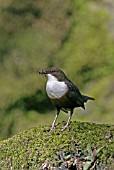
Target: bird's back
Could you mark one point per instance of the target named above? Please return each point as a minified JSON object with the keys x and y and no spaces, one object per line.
{"x":74,"y":95}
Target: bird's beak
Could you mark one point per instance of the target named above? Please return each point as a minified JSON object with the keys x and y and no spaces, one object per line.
{"x":42,"y":71}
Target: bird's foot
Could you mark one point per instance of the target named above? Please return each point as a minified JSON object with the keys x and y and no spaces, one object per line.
{"x":53,"y":127}
{"x":64,"y":128}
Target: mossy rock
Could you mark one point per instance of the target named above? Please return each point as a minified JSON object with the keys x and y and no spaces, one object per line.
{"x":36,"y":148}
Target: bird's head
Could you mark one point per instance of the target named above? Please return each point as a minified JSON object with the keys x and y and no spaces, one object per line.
{"x":53,"y":72}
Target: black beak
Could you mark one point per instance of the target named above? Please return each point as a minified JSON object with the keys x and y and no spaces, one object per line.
{"x":42,"y":71}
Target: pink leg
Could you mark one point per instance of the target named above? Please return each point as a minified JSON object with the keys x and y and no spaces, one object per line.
{"x":68,"y":122}
{"x":53,"y":124}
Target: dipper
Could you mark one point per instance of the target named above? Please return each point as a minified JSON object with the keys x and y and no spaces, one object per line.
{"x":63,"y":93}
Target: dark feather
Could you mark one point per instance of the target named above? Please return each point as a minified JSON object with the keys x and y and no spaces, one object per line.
{"x":75,"y":95}
{"x":86,"y":98}
{"x":64,"y":110}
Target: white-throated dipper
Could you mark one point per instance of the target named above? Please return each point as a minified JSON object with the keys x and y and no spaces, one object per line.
{"x":63,"y":93}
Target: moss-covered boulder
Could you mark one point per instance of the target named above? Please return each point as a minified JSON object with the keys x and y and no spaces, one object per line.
{"x":83,"y":145}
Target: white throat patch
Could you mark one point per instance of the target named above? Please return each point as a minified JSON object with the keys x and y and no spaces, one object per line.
{"x":55,"y":89}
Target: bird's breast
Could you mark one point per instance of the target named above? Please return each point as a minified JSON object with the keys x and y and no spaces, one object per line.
{"x":56,"y":89}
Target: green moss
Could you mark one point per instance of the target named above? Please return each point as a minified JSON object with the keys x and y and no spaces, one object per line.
{"x":31,"y":148}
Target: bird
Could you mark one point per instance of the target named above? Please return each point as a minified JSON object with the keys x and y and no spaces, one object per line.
{"x":63,"y":94}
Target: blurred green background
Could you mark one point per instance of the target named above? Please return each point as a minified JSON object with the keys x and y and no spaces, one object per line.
{"x":76,"y":36}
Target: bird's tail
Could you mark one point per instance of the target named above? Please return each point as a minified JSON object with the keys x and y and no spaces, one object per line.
{"x":86,"y":98}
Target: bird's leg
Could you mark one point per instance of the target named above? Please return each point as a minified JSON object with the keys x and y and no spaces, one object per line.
{"x":68,"y":122}
{"x":53,"y":124}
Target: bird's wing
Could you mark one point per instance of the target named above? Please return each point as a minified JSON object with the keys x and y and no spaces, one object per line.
{"x":75,"y":95}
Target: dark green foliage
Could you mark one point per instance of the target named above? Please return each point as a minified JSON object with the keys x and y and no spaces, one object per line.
{"x":35,"y":102}
{"x":24,"y":11}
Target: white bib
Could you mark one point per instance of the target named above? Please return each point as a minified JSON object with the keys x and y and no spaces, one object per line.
{"x":55,"y":89}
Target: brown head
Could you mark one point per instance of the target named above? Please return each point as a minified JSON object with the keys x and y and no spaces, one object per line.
{"x":54,"y":71}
